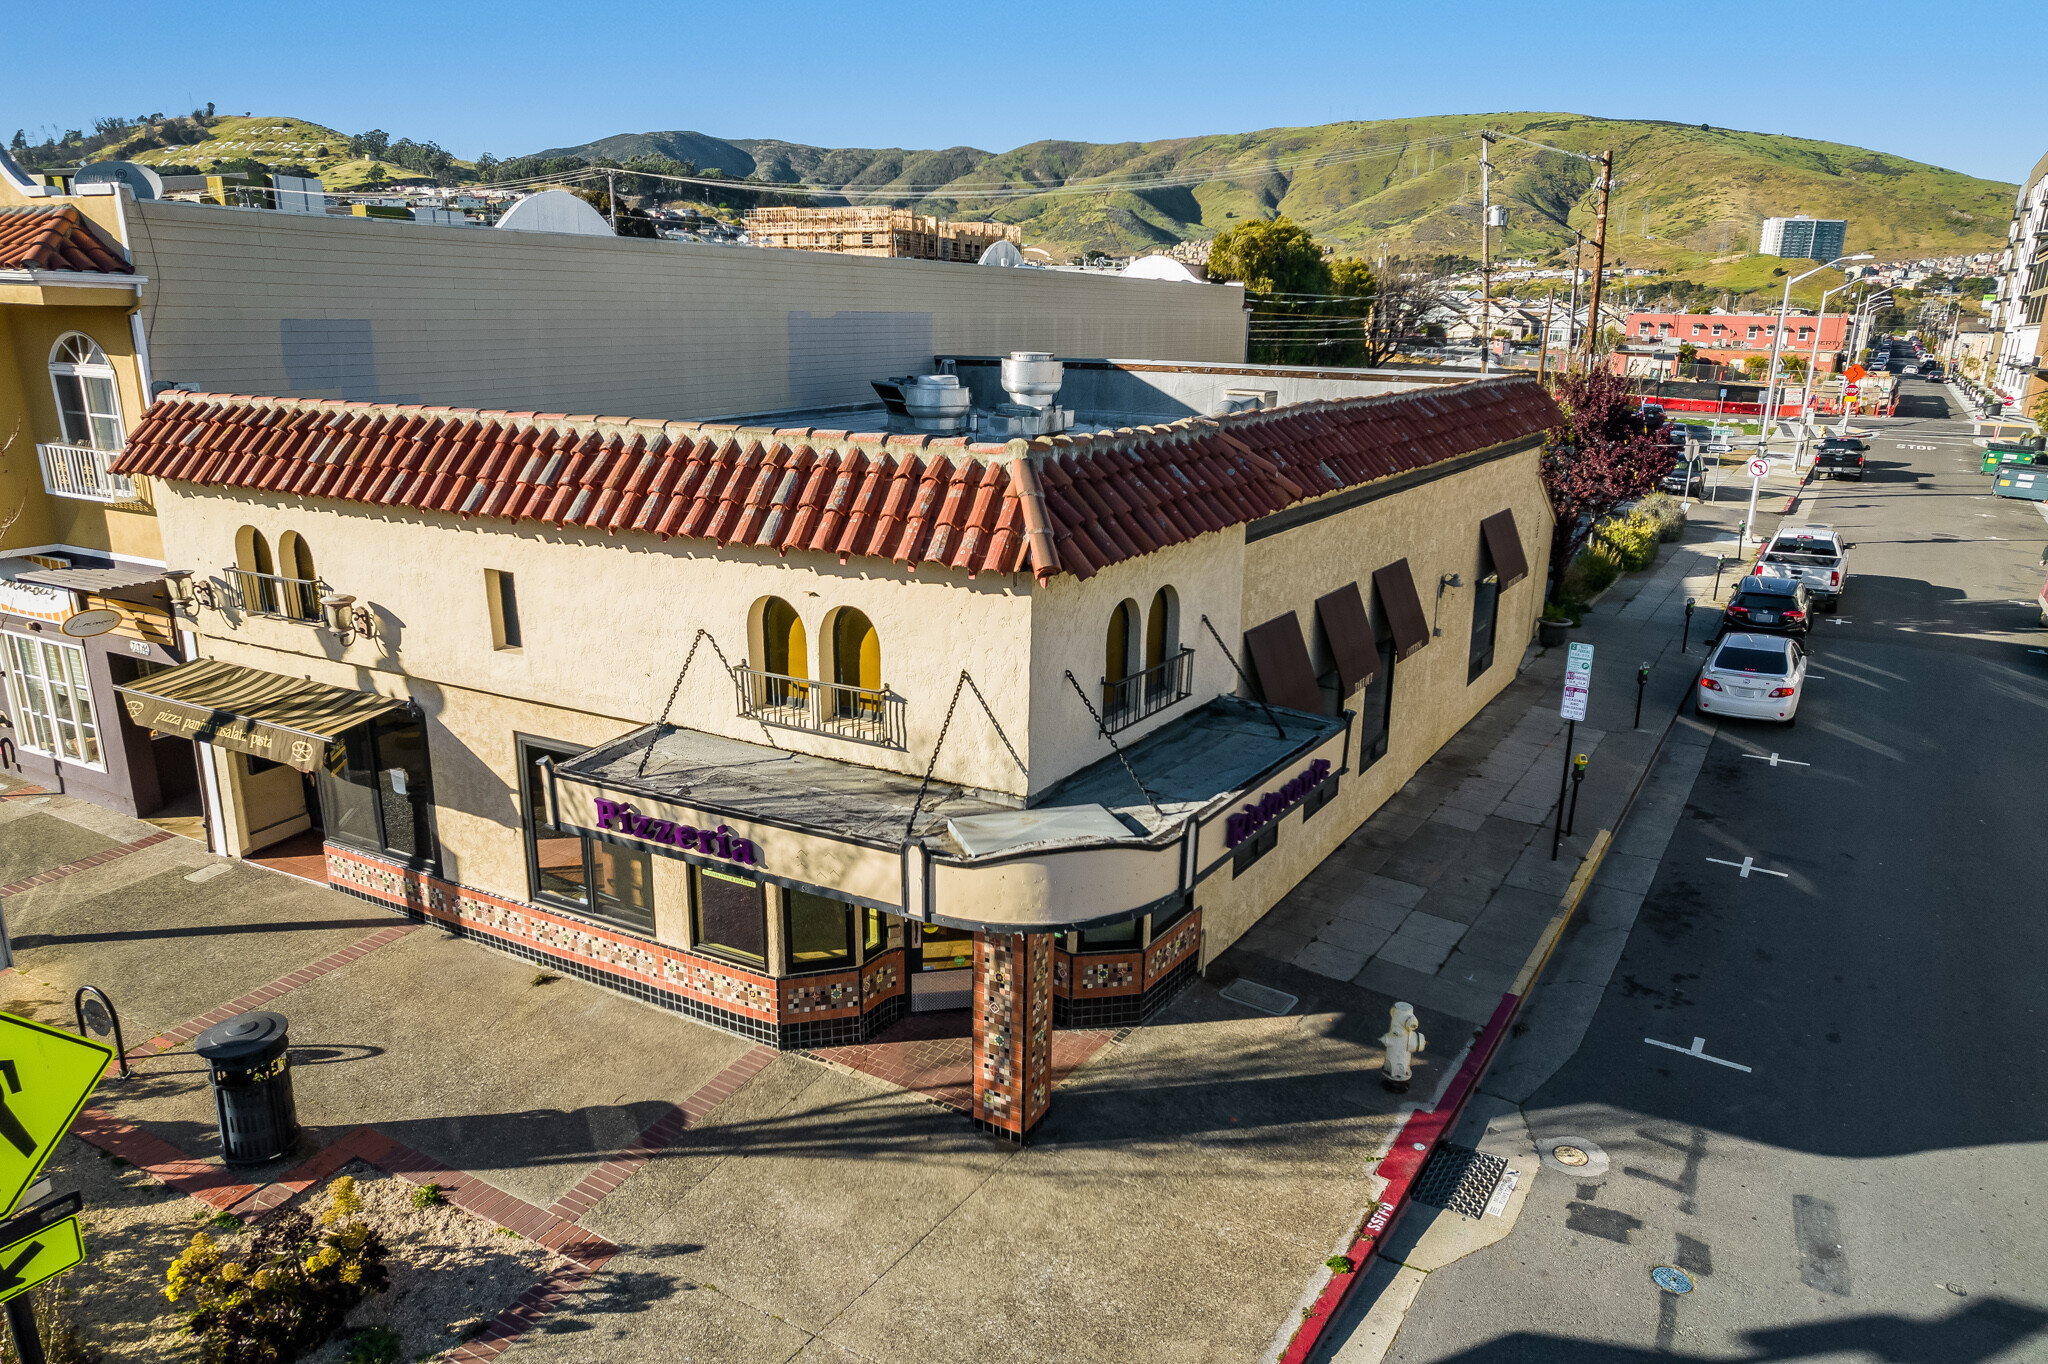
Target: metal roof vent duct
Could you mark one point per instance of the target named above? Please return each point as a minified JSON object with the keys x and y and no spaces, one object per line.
{"x":937,"y":403}
{"x":1032,"y":378}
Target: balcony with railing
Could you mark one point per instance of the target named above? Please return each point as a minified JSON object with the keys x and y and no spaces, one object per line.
{"x":80,"y":471}
{"x":1130,"y":699}
{"x":863,"y":714}
{"x":270,"y":594}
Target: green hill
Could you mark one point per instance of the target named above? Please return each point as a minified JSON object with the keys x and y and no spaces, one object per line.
{"x":1683,"y":194}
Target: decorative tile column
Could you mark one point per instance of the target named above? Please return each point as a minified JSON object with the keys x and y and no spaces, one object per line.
{"x":1012,"y":1031}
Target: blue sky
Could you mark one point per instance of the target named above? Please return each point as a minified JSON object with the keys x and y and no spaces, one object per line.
{"x":1915,"y":80}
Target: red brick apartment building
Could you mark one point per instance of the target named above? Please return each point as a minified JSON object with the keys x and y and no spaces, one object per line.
{"x":1730,"y":338}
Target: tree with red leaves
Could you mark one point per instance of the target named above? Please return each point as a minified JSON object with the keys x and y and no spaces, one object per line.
{"x":1607,"y":451}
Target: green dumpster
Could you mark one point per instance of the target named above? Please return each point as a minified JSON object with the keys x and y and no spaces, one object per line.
{"x":2002,"y":452}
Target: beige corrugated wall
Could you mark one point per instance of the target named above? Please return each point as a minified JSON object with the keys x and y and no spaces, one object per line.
{"x":256,"y":302}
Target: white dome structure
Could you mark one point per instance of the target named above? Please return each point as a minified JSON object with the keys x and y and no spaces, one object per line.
{"x":555,"y":210}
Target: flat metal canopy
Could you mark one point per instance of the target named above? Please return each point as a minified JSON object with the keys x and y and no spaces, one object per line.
{"x":91,"y":579}
{"x":285,"y":719}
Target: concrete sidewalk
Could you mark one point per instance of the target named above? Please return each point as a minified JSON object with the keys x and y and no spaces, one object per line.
{"x":1440,"y":896}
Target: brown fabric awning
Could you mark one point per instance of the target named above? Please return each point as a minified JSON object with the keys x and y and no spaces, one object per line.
{"x":1349,"y":631}
{"x":1504,"y":542}
{"x":1403,"y":608}
{"x":285,"y":719}
{"x":1280,"y":662}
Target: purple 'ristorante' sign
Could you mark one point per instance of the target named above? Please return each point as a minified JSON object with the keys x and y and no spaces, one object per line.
{"x":720,"y":842}
{"x":1273,"y":804}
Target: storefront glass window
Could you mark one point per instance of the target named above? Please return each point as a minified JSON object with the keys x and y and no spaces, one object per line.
{"x":731,"y":916}
{"x":942,"y":948}
{"x":52,"y":702}
{"x":623,"y":881}
{"x":1120,"y":936}
{"x":376,"y":789}
{"x":879,"y":933}
{"x":820,"y":932}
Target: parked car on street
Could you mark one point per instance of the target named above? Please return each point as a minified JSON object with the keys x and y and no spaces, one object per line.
{"x":1839,"y":457}
{"x":1686,"y":479}
{"x":1814,"y":555}
{"x":1779,"y":605}
{"x":1756,"y":676}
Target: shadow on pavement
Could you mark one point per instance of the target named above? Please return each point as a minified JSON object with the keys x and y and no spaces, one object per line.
{"x":1979,"y":1332}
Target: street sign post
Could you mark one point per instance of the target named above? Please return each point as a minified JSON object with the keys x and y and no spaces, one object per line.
{"x":45,"y":1076}
{"x":1578,"y":681}
{"x":1758,"y":467}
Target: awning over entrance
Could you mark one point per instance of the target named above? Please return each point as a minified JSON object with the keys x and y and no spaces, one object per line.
{"x":285,"y":719}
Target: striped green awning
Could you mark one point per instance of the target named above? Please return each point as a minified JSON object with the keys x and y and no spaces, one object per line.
{"x":285,"y":719}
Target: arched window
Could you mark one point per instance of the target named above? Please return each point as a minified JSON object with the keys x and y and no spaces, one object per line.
{"x":783,"y":649}
{"x":856,"y":651}
{"x":88,"y":405}
{"x":1162,"y":627}
{"x":1120,"y":654}
{"x":255,"y":572}
{"x":299,"y":592}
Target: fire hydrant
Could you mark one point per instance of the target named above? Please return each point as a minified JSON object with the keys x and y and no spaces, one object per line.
{"x":1404,"y":1041}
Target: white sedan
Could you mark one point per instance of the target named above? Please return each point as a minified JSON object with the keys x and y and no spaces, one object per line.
{"x":1757,"y":677}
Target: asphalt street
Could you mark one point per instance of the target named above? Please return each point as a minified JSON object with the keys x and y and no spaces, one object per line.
{"x":1816,"y":1085}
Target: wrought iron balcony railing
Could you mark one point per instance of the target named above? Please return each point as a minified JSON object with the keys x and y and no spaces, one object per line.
{"x":1131,"y":699}
{"x":269,"y":594}
{"x":81,"y":471}
{"x":862,"y":714}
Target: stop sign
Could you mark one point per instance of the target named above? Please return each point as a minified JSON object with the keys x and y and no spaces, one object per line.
{"x":1854,"y":389}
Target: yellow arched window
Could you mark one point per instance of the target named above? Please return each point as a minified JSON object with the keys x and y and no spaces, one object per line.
{"x":255,"y":572}
{"x":856,"y":651}
{"x":1120,"y":655}
{"x":785,"y":652}
{"x":1162,"y":639}
{"x":298,"y":593}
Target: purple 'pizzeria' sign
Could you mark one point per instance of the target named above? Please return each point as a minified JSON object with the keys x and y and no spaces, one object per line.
{"x":720,"y":842}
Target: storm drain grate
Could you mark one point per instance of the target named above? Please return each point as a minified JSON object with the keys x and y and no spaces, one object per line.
{"x":1459,"y":1179}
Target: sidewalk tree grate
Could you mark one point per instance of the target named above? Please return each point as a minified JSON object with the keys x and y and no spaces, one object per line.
{"x":1253,"y":995}
{"x":1459,"y":1179}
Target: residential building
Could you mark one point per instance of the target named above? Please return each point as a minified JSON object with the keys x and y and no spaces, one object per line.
{"x":82,"y":603}
{"x":896,"y":233}
{"x":2022,"y":295}
{"x":1802,"y":238}
{"x":795,"y":726}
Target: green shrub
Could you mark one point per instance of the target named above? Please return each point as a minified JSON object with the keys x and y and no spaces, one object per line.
{"x":427,"y":1196}
{"x":287,"y":1290}
{"x":1668,"y":512}
{"x":1593,"y":572}
{"x":1631,"y":539}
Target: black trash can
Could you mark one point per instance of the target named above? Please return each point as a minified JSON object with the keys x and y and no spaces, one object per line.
{"x":252,"y":1086}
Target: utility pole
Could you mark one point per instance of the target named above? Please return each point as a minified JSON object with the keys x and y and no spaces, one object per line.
{"x":1485,"y":254}
{"x":1599,"y":257}
{"x":611,"y":199}
{"x":1543,"y":357}
{"x":1571,"y":317}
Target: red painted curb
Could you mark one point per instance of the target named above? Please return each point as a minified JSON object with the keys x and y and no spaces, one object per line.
{"x":1413,"y":1145}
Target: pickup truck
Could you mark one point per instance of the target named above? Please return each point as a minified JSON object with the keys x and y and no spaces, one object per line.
{"x":1813,"y":554}
{"x":1840,"y":457}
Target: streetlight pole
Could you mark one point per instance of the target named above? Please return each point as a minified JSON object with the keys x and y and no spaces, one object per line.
{"x":1770,"y":411}
{"x":1485,"y":254}
{"x":1813,"y":355}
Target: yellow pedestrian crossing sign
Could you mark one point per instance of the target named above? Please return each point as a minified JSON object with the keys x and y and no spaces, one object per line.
{"x":45,"y":1076}
{"x":39,"y":1256}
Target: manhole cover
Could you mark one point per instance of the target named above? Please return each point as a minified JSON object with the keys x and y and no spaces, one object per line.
{"x":1570,"y":1155}
{"x":1671,"y":1279}
{"x":1264,"y":998}
{"x":1459,"y":1179}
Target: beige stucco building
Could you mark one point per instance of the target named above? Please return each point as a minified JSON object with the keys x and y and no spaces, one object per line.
{"x":794,"y":728}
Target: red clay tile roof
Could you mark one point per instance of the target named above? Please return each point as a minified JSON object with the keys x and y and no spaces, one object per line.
{"x":55,"y":239}
{"x":1076,"y":503}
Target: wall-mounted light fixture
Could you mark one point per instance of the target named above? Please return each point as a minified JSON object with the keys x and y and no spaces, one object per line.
{"x":345,"y":620}
{"x":189,"y":595}
{"x":1449,"y":580}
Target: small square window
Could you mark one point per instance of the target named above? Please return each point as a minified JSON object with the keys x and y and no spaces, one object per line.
{"x":729,"y":916}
